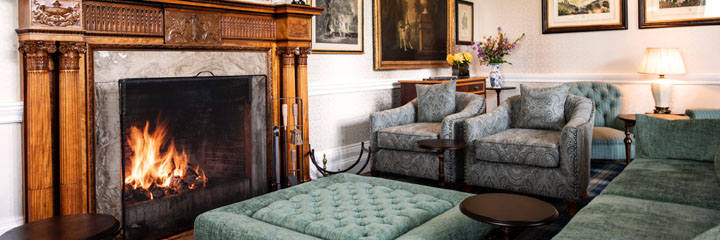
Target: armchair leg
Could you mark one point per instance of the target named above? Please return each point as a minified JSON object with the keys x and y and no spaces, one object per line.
{"x":468,"y":188}
{"x":572,"y":207}
{"x":373,"y":173}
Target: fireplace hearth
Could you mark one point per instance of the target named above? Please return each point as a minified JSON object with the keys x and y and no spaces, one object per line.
{"x":186,"y":149}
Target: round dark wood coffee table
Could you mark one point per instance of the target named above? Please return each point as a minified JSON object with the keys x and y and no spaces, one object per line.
{"x":441,"y":145}
{"x":508,"y":210}
{"x":79,"y":226}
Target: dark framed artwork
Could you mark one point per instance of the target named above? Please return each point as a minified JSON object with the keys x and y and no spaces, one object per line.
{"x":413,"y":33}
{"x":677,"y":13}
{"x":560,"y":16}
{"x":464,"y":23}
{"x":340,"y":27}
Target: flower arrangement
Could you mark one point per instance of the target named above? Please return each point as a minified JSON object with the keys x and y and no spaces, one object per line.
{"x":458,"y":58}
{"x":494,"y":49}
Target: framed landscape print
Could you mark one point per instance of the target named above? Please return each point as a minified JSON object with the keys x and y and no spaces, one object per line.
{"x":464,"y":22}
{"x":561,"y":16}
{"x":340,"y":27}
{"x":678,"y":13}
{"x":413,"y":33}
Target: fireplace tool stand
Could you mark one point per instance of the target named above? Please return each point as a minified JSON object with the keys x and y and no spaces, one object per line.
{"x":285,"y":153}
{"x":323,"y":170}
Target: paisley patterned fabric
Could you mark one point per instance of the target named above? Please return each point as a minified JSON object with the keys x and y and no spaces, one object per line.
{"x":542,"y":108}
{"x":568,"y":180}
{"x":394,"y":144}
{"x":404,"y":137}
{"x":435,"y":101}
{"x":520,"y":146}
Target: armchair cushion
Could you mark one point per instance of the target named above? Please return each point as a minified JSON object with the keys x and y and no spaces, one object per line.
{"x":521,"y":146}
{"x":404,"y":137}
{"x":435,"y":101}
{"x":542,"y":108}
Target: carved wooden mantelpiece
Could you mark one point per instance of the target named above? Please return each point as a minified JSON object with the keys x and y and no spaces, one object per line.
{"x":57,"y":42}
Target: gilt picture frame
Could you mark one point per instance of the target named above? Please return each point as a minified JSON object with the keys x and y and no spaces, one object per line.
{"x":464,"y":22}
{"x":562,"y":16}
{"x":339,"y":29}
{"x":677,"y":13}
{"x":412,"y":34}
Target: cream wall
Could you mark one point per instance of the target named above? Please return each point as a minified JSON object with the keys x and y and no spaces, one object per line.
{"x":11,"y":213}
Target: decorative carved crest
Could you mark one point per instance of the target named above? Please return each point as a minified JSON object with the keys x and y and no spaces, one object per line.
{"x":55,"y":14}
{"x":192,"y":27}
{"x":299,"y":28}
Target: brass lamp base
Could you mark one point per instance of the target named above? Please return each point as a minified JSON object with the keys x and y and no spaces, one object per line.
{"x":662,"y":110}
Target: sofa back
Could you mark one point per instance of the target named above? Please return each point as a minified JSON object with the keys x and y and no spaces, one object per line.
{"x":607,"y":99}
{"x":692,"y":139}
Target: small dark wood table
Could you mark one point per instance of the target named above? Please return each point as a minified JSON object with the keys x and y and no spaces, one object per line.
{"x":630,"y":119}
{"x":508,"y":210}
{"x":441,"y":145}
{"x":78,"y":226}
{"x":498,"y":90}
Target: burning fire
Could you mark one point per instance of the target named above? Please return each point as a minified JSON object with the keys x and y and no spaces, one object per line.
{"x":157,"y":168}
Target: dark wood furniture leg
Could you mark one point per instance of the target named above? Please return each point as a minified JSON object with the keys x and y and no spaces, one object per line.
{"x":468,"y":188}
{"x":506,"y":232}
{"x":441,"y":168}
{"x":497,"y":95}
{"x":628,"y":141}
{"x":373,"y":173}
{"x":572,"y":207}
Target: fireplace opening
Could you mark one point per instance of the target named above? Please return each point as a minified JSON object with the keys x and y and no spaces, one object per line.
{"x":186,"y":149}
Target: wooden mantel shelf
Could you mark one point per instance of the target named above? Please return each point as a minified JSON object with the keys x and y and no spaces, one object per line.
{"x":58,"y":78}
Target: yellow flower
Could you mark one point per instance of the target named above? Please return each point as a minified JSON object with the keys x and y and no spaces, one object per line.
{"x":449,"y":59}
{"x":468,"y":57}
{"x":458,"y":57}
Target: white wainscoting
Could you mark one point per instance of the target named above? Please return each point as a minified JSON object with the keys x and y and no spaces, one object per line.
{"x":341,"y":157}
{"x":10,"y":222}
{"x":11,"y":112}
{"x":11,"y":115}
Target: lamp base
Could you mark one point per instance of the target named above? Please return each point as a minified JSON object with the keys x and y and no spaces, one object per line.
{"x":662,"y":110}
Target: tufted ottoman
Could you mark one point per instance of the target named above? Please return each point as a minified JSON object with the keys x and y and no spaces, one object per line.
{"x":344,"y":206}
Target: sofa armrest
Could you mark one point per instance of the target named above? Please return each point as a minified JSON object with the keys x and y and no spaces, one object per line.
{"x":451,"y":124}
{"x":390,"y":118}
{"x":488,"y":124}
{"x":576,"y":141}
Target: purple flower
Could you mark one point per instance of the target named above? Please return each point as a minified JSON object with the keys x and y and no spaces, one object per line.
{"x":499,"y":29}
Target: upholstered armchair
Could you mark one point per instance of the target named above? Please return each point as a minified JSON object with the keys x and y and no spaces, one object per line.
{"x":396,"y":131}
{"x":608,"y":140}
{"x":552,"y":163}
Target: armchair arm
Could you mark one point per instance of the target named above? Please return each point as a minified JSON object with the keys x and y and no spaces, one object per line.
{"x":576,"y":140}
{"x":488,"y":124}
{"x":391,"y":118}
{"x":451,"y":124}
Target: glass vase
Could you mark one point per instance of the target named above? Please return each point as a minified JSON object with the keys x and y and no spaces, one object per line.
{"x":495,"y":76}
{"x":461,"y":70}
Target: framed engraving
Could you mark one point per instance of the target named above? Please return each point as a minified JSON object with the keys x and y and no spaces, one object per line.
{"x":560,"y":16}
{"x":340,"y":27}
{"x":678,"y":13}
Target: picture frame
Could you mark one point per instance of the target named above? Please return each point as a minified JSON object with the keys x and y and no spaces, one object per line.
{"x":339,"y":30}
{"x":664,"y":13}
{"x":562,"y":16}
{"x":464,"y":23}
{"x":413,"y":34}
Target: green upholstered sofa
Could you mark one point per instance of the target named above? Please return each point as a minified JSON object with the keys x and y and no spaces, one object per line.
{"x":703,"y":113}
{"x":671,"y":191}
{"x":609,"y":131}
{"x":344,"y":206}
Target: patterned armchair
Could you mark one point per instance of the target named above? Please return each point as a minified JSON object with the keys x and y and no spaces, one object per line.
{"x":548,"y":163}
{"x":608,"y":140}
{"x":396,"y":131}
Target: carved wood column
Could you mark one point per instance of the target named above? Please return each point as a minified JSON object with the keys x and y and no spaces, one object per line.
{"x":38,"y":129}
{"x":73,"y":157}
{"x":287,"y":82}
{"x":301,"y":88}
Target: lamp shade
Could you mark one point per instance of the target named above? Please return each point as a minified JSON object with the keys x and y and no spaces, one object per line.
{"x":663,"y":61}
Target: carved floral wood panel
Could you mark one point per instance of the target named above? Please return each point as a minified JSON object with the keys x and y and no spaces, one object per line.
{"x":186,"y":27}
{"x":56,"y":13}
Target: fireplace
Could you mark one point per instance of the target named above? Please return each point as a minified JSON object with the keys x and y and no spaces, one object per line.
{"x":187,"y":148}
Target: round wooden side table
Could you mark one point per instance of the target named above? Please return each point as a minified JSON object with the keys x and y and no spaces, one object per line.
{"x":509,"y":210}
{"x":78,"y":226}
{"x":441,"y":145}
{"x":498,"y":90}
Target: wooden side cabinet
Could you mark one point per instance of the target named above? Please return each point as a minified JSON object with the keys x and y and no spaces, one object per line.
{"x":474,"y":85}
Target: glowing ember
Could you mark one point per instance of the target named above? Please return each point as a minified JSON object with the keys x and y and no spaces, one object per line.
{"x":157,"y":168}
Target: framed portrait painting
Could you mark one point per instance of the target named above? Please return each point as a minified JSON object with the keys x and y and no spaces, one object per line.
{"x":561,"y":16}
{"x":413,"y":33}
{"x":678,"y":13}
{"x":340,"y":27}
{"x":464,"y":22}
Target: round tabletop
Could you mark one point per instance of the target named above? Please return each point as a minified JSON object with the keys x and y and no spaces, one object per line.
{"x":509,"y":210}
{"x":78,"y":226}
{"x":500,"y":88}
{"x":441,"y":144}
{"x":671,"y":116}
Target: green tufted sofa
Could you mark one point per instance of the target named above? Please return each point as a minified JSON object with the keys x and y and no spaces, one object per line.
{"x":344,"y":206}
{"x":609,"y":131}
{"x":671,"y":191}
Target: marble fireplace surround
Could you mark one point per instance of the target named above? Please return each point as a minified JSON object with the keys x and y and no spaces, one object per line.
{"x":110,"y":66}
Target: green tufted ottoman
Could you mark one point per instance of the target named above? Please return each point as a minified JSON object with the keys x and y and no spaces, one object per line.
{"x":344,"y":206}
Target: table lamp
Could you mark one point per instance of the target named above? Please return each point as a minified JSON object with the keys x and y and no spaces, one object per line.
{"x":662,"y":61}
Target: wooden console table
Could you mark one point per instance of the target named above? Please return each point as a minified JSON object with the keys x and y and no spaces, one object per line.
{"x":474,"y":85}
{"x":630,"y":119}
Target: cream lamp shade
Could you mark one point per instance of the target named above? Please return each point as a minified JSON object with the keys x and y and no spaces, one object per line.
{"x":662,"y":61}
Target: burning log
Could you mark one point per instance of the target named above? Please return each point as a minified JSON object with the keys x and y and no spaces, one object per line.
{"x":157,"y":192}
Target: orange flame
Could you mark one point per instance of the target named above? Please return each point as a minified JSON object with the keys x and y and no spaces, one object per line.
{"x":149,"y":164}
